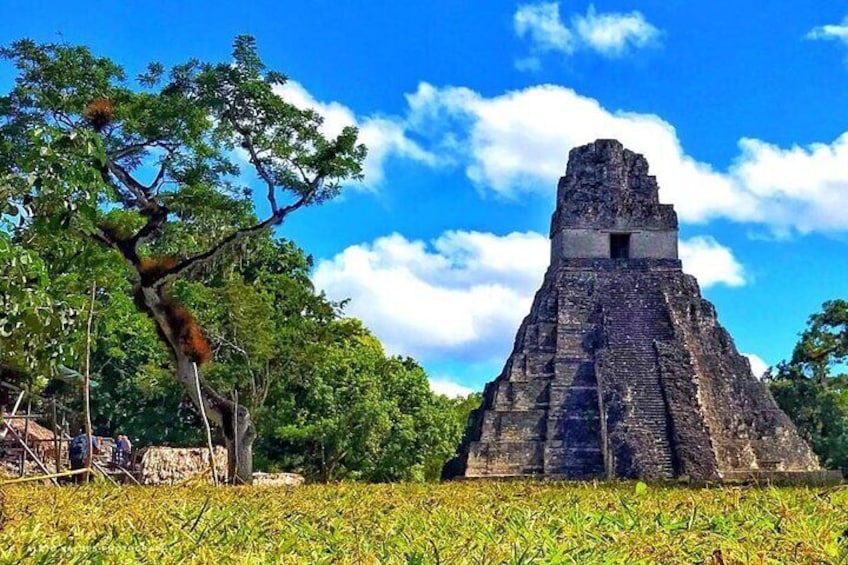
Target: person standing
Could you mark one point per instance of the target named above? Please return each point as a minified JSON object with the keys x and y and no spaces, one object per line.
{"x":123,"y":451}
{"x":78,"y":452}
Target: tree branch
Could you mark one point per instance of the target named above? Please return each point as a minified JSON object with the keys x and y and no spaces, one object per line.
{"x":138,"y":190}
{"x":130,"y":149}
{"x":127,"y":248}
{"x":126,"y":200}
{"x":273,"y":220}
{"x":260,"y":168}
{"x":157,"y":182}
{"x":155,"y":220}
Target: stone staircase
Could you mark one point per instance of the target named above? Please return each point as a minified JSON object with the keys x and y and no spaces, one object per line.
{"x":634,"y":318}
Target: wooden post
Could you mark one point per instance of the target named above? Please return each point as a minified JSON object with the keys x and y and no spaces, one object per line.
{"x":56,"y":445}
{"x":85,"y":388}
{"x":206,"y":425}
{"x":11,"y":415}
{"x":128,"y":474}
{"x":33,"y":455}
{"x":26,"y":434}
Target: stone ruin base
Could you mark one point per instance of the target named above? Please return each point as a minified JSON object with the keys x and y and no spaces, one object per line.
{"x":172,"y":465}
{"x":761,"y":477}
{"x":810,"y":478}
{"x":277,"y":479}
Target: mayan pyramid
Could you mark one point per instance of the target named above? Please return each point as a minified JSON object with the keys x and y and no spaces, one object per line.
{"x":621,"y":369}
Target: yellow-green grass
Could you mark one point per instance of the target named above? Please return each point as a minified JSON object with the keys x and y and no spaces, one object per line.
{"x":463,"y":522}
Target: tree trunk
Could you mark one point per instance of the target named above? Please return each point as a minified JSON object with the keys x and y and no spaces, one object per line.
{"x":239,"y":435}
{"x":239,"y":432}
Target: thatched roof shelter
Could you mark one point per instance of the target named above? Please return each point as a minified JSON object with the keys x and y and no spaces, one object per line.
{"x":36,"y":433}
{"x":39,"y":438}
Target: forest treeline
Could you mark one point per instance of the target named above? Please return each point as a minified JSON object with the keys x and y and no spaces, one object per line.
{"x":811,"y":386}
{"x":326,"y":398}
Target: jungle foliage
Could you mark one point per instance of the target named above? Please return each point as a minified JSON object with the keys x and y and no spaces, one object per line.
{"x":812,"y":386}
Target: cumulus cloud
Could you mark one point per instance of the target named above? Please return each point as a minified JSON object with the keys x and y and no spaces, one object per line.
{"x":832,"y":32}
{"x":384,"y":137}
{"x":609,"y":34}
{"x":464,"y":294}
{"x":541,"y":24}
{"x":711,"y":262}
{"x":615,"y":34}
{"x":801,"y":187}
{"x":519,"y":141}
{"x":758,"y":366}
{"x":448,"y":387}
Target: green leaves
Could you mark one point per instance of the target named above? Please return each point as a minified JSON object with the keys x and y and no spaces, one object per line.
{"x":32,"y":321}
{"x":824,"y":344}
{"x":811,"y":387}
{"x":355,"y":413}
{"x":160,"y":169}
{"x":78,"y":141}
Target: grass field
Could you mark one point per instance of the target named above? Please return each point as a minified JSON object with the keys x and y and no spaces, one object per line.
{"x":471,"y":522}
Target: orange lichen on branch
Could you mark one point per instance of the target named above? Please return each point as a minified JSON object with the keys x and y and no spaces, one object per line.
{"x":187,"y":333}
{"x":183,"y":328}
{"x":99,"y":112}
{"x":152,"y":268}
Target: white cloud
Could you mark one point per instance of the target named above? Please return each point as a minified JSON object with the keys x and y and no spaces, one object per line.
{"x":542,"y":24}
{"x":758,"y":366}
{"x":464,"y":294}
{"x":519,"y":141}
{"x":448,"y":387}
{"x":833,"y":32}
{"x":711,"y":262}
{"x":801,"y":187}
{"x":609,"y":34}
{"x":384,"y":137}
{"x":615,"y":34}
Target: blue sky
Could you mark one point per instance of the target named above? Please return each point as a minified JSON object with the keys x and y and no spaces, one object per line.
{"x":470,"y":109}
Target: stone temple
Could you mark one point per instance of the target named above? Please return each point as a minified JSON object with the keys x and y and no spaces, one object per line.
{"x":621,"y":369}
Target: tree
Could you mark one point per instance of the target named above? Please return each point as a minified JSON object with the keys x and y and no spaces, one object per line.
{"x":453,"y":414}
{"x":823,"y":346}
{"x":274,"y":339}
{"x":811,"y":386}
{"x":352,"y":412}
{"x":263,"y":319}
{"x":152,"y":174}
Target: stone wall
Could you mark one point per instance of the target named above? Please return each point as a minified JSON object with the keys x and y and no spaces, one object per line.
{"x":747,"y":429}
{"x":582,"y":243}
{"x":653,"y":245}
